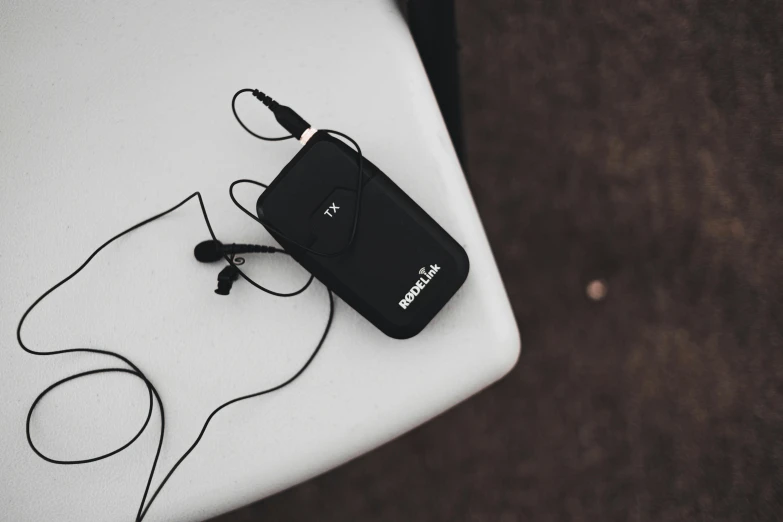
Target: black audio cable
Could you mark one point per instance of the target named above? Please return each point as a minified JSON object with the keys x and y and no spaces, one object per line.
{"x":134,"y":370}
{"x":298,"y":128}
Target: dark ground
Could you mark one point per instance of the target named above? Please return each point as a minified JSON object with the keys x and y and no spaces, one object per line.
{"x":640,"y":142}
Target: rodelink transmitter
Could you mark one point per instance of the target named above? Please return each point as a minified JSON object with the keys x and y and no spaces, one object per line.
{"x":399,"y":267}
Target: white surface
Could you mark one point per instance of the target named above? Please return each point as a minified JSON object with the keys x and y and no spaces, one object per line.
{"x":113,"y":111}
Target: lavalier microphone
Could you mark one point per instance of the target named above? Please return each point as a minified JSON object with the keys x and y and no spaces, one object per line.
{"x":210,"y":251}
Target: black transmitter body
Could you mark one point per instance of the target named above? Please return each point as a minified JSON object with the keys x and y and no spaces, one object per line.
{"x":401,"y":267}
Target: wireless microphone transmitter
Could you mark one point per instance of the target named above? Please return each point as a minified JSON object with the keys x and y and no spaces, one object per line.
{"x":401,"y":267}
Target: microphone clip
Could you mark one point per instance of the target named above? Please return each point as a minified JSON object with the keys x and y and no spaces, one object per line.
{"x":225,"y":280}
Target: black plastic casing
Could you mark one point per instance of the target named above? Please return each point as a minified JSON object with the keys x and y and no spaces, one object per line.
{"x":401,"y":268}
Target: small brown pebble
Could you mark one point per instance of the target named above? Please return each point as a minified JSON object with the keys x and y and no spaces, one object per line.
{"x":596,"y":290}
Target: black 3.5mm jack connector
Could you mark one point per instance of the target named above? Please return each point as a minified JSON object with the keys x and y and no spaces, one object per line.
{"x":285,"y":116}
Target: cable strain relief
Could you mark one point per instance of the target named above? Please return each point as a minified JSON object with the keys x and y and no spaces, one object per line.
{"x":266,"y":100}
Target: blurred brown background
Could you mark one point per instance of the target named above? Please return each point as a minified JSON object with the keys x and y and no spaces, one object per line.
{"x":640,"y":142}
